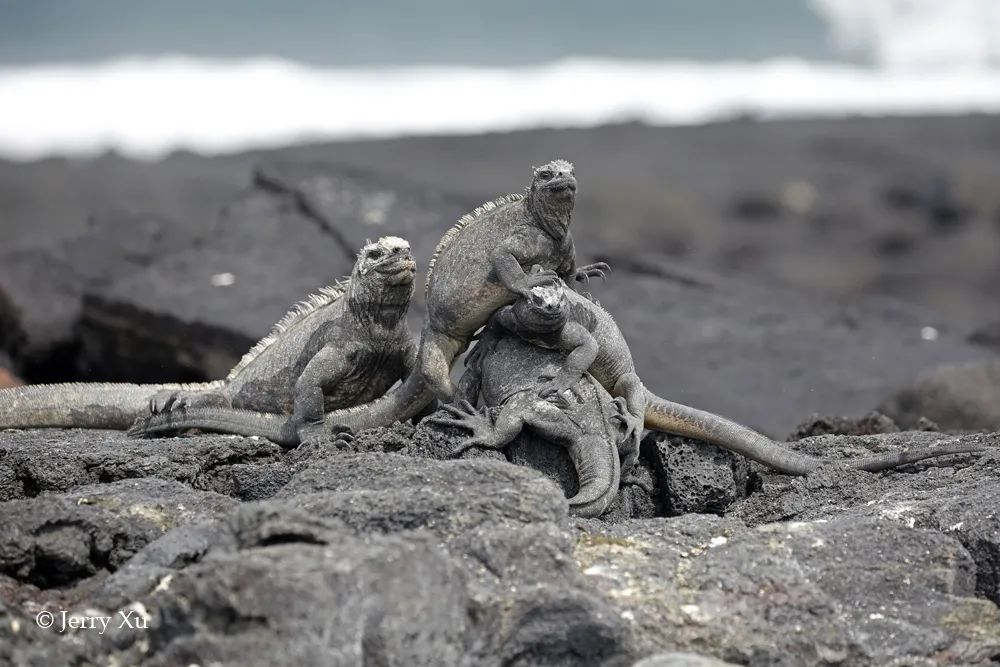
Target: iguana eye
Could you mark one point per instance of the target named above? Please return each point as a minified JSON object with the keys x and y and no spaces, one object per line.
{"x":374,"y":253}
{"x":545,"y":175}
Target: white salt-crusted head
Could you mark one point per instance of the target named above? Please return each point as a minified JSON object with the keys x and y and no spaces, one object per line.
{"x":374,"y":253}
{"x":547,"y":295}
{"x":554,"y":167}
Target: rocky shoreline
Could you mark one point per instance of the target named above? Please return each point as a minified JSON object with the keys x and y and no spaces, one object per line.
{"x":236,"y":552}
{"x":207,"y":549}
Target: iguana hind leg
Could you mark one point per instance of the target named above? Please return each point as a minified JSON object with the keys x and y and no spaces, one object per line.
{"x":437,"y":352}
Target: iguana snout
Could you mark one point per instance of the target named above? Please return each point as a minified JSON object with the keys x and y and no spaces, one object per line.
{"x":390,"y":259}
{"x":555,"y":180}
{"x":546,"y":309}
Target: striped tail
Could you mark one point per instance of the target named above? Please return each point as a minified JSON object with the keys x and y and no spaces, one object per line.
{"x":83,"y":404}
{"x":599,"y":474}
{"x":276,"y":428}
{"x":598,"y":469}
{"x":663,"y":415}
{"x":400,"y":403}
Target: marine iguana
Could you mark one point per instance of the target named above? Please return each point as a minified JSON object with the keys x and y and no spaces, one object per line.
{"x":503,"y":371}
{"x":478,"y":266}
{"x":593,"y":327}
{"x":346,"y":345}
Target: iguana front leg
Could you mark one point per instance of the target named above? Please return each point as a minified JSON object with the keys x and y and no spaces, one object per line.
{"x":583,"y":348}
{"x":485,"y":433}
{"x":327,"y":367}
{"x":576,"y":277}
{"x":513,"y":276}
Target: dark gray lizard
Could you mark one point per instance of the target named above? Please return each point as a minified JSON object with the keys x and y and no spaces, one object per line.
{"x":479,"y":265}
{"x":614,"y":369}
{"x":344,"y":346}
{"x":504,"y":371}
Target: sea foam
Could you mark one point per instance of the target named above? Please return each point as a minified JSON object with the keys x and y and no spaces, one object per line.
{"x":916,"y":34}
{"x":145,"y":107}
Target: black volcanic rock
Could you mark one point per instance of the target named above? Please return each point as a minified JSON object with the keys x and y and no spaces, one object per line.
{"x":955,"y":397}
{"x":193,"y":313}
{"x":45,"y":284}
{"x":54,"y":540}
{"x":811,"y":593}
{"x":764,"y":354}
{"x":475,"y":561}
{"x":52,"y":460}
{"x":696,"y":476}
{"x":988,"y":336}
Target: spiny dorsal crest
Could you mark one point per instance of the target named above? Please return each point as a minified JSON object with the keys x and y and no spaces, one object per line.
{"x":299,"y":311}
{"x":462,"y":223}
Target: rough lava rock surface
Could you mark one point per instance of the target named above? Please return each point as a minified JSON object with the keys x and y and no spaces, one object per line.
{"x":953,"y":396}
{"x":382,"y":550}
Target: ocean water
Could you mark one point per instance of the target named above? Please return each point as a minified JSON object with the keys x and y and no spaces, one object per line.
{"x":84,"y":76}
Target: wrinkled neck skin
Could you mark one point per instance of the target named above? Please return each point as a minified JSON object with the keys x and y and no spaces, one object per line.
{"x":552,"y":214}
{"x":376,"y":304}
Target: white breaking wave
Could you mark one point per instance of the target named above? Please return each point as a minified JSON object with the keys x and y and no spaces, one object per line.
{"x":148,"y":107}
{"x":916,"y":34}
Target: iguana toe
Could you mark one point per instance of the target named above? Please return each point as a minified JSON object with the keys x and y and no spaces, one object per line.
{"x":475,"y":441}
{"x":597,"y":270}
{"x":632,"y":479}
{"x":138,"y":428}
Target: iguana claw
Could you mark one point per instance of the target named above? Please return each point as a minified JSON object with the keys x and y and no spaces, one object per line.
{"x":315,"y":435}
{"x":467,"y":417}
{"x":138,"y":428}
{"x":596,"y":270}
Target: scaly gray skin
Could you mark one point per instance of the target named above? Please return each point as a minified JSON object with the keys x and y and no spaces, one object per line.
{"x":613,"y":368}
{"x":504,"y":373}
{"x":478,"y":266}
{"x":345,"y":346}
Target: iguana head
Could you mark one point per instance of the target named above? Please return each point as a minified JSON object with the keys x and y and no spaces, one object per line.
{"x":382,"y":280}
{"x":547,"y":308}
{"x":552,"y":194}
{"x":389,"y":258}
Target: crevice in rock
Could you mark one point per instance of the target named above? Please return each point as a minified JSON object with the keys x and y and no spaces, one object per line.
{"x":289,"y":538}
{"x":659,"y":267}
{"x":273,"y":183}
{"x":121,"y":344}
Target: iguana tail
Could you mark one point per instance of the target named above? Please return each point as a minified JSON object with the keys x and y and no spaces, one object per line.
{"x":597,"y":468}
{"x":277,"y":428}
{"x":83,"y":404}
{"x":400,"y":403}
{"x":663,"y":415}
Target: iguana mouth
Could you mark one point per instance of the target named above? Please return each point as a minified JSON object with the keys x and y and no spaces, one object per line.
{"x":561,"y":185}
{"x":398,"y":271}
{"x":396,"y":265}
